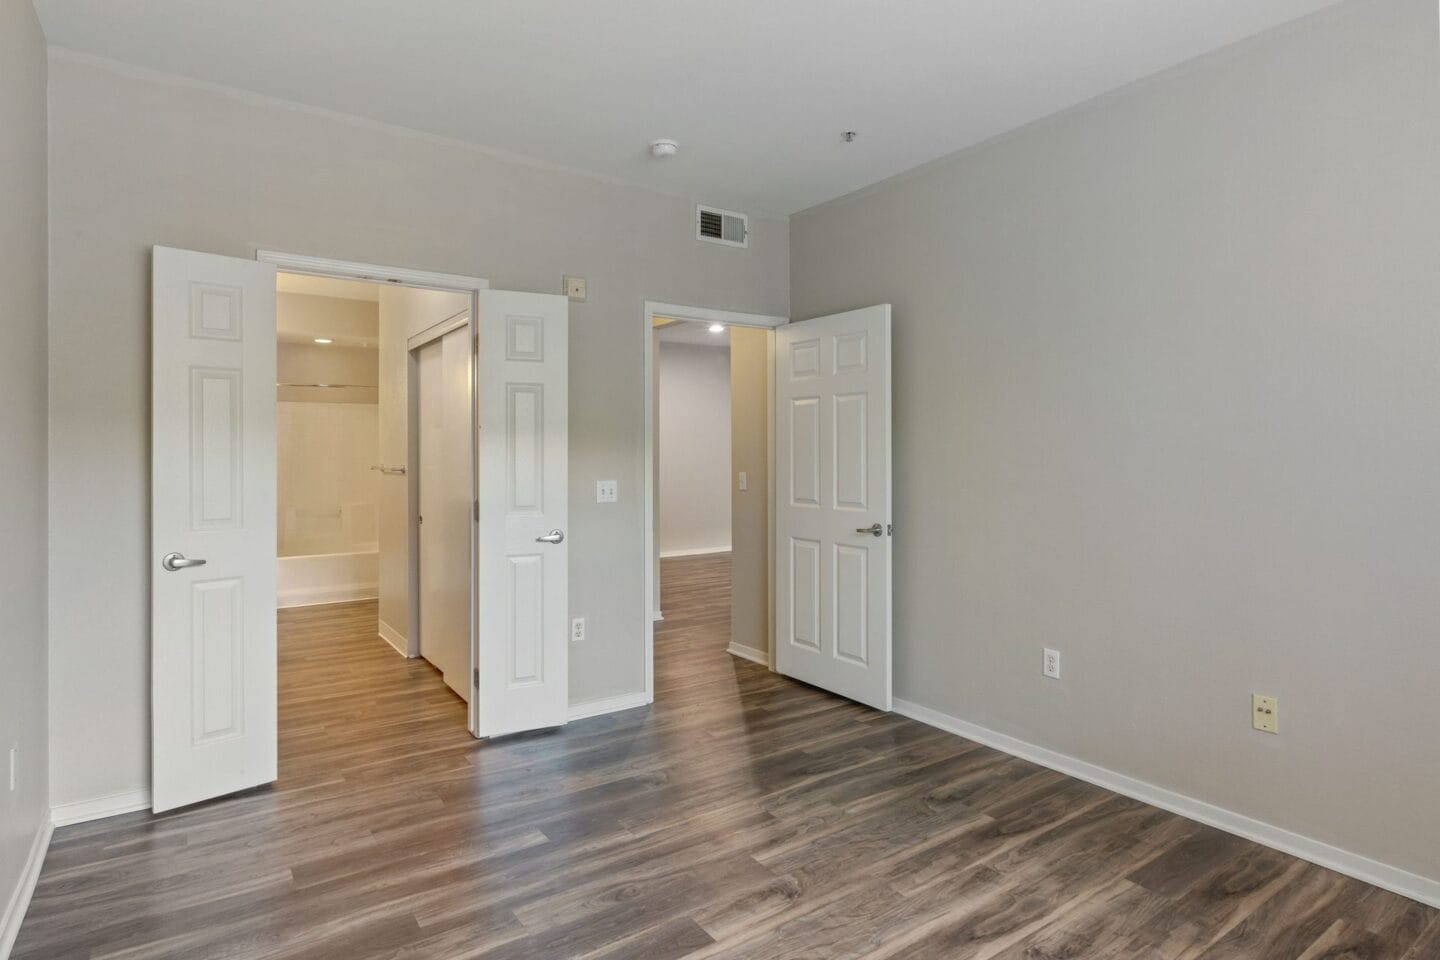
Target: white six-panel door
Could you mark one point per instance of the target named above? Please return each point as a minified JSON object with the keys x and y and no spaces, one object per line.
{"x":832,"y":503}
{"x":213,"y":500}
{"x":523,"y":554}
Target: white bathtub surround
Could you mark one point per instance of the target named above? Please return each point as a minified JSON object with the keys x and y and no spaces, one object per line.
{"x":328,"y":578}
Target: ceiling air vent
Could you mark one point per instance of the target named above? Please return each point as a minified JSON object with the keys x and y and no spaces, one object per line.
{"x":722,"y":226}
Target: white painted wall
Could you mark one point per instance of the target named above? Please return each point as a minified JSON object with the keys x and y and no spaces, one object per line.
{"x":1167,"y":375}
{"x":138,"y":159}
{"x":694,"y":450}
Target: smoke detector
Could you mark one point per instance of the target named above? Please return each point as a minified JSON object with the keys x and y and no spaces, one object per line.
{"x":663,"y":148}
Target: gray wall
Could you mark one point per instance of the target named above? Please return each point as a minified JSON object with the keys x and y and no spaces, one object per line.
{"x":1167,"y":397}
{"x":138,"y":160}
{"x":694,"y":449}
{"x":22,"y":438}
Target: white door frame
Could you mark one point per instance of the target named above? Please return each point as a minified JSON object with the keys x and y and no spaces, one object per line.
{"x":405,"y":277}
{"x":674,"y":311}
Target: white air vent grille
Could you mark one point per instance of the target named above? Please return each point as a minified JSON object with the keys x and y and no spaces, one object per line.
{"x":722,"y":226}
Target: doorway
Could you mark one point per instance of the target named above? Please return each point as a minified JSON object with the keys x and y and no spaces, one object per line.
{"x":355,"y":432}
{"x":216,"y":523}
{"x":708,"y":526}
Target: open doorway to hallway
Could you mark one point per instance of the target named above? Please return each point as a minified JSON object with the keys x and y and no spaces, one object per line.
{"x":711,"y":386}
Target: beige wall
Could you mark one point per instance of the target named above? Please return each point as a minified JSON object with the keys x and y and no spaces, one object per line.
{"x":1167,"y":376}
{"x":404,"y":312}
{"x":22,"y":452}
{"x":138,"y":160}
{"x":750,"y":363}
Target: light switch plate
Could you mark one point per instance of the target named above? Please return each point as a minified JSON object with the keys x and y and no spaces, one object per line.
{"x":744,"y":481}
{"x":607,"y":491}
{"x":575,"y":288}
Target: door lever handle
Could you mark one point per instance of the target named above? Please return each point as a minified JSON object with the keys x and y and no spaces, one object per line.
{"x":178,"y":561}
{"x":554,"y":536}
{"x":875,"y":530}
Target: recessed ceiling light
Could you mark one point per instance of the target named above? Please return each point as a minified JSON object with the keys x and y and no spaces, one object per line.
{"x":323,"y":340}
{"x":717,"y":328}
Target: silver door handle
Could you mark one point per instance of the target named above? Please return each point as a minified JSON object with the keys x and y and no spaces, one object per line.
{"x":178,"y":561}
{"x":875,"y":530}
{"x":554,"y":536}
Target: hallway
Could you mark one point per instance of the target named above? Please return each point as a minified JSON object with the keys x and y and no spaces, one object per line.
{"x":742,"y":815}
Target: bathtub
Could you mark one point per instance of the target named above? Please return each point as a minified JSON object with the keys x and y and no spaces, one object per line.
{"x":328,"y":578}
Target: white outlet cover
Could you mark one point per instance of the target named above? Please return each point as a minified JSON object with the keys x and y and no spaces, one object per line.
{"x":607,"y":491}
{"x":1051,"y":664}
{"x":577,"y":630}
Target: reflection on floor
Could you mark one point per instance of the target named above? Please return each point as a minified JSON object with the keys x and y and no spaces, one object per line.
{"x":742,"y":816}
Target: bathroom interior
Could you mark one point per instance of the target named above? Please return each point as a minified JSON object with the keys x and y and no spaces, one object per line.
{"x":372,"y":421}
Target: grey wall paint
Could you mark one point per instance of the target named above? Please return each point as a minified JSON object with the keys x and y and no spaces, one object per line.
{"x":138,"y":160}
{"x":1167,"y":397}
{"x":693,"y":449}
{"x":22,"y":426}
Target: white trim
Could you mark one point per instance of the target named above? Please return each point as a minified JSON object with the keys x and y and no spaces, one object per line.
{"x":319,"y":596}
{"x":650,"y":612}
{"x":437,"y":330}
{"x":372,"y":272}
{"x":701,"y":552}
{"x":24,"y":888}
{"x":83,"y":811}
{"x":595,"y":708}
{"x":731,"y":318}
{"x":656,"y":616}
{"x":1394,"y":879}
{"x":395,"y":638}
{"x":752,"y":654}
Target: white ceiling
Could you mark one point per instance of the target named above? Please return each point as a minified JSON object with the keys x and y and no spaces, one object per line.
{"x":757,"y":92}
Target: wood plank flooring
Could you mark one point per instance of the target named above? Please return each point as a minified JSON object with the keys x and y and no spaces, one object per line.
{"x":741,"y":816}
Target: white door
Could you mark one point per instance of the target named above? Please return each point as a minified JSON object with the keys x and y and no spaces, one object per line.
{"x":445,"y":506}
{"x":832,"y":503}
{"x":523,"y":554}
{"x":212,"y":526}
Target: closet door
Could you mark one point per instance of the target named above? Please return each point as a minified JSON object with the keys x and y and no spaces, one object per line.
{"x":443,"y":367}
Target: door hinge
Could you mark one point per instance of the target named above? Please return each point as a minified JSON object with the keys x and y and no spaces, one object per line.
{"x":475,"y":678}
{"x":477,"y":510}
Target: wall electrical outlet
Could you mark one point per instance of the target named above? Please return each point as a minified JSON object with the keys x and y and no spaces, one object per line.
{"x":607,"y":491}
{"x":577,"y":630}
{"x":1051,"y":664}
{"x":575,"y":288}
{"x":1264,"y":713}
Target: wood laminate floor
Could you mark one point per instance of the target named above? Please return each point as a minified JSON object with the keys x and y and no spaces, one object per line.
{"x":742,"y":816}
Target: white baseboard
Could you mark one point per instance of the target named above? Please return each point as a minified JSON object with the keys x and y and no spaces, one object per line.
{"x":761,"y":657}
{"x":656,"y":616}
{"x":702,"y":552}
{"x":314,"y":596}
{"x":1394,"y":879}
{"x":80,"y":811}
{"x":395,"y":638}
{"x":24,"y":888}
{"x":595,"y":708}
